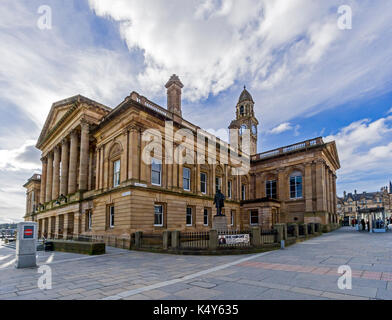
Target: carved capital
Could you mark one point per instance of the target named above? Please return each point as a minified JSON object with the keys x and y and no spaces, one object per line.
{"x":64,"y":141}
{"x":84,"y":124}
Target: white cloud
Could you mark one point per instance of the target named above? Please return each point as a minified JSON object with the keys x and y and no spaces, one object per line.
{"x":14,"y":159}
{"x":365,"y":151}
{"x":281,"y":128}
{"x":290,"y":52}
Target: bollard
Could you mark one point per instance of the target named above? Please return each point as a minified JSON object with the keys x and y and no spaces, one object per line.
{"x":213,"y":242}
{"x":256,"y":237}
{"x":165,"y":240}
{"x":175,"y":239}
{"x":282,"y":243}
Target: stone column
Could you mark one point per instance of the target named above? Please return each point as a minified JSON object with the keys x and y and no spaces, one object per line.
{"x":283,"y":193}
{"x":73,"y":162}
{"x":213,"y":182}
{"x":98,"y":168}
{"x":65,"y":228}
{"x":56,"y":174}
{"x":308,"y":188}
{"x":320,"y":187}
{"x":134,"y":155}
{"x":50,"y":221}
{"x":43,"y":180}
{"x":49,"y":178}
{"x":56,"y":226}
{"x":77,"y":226}
{"x":64,"y":167}
{"x":84,"y":152}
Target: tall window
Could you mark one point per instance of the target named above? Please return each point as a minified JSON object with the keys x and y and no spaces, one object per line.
{"x":217,"y":184}
{"x":156,"y":172}
{"x":270,"y":189}
{"x":186,"y":177}
{"x":205,"y":217}
{"x":296,"y":185}
{"x":203,"y":183}
{"x":111,"y":216}
{"x":189,"y":219}
{"x":158,"y":216}
{"x":232,"y":214}
{"x":254,"y":217}
{"x":89,"y":220}
{"x":116,"y":173}
{"x":242,"y":110}
{"x":243,"y":192}
{"x":229,"y":189}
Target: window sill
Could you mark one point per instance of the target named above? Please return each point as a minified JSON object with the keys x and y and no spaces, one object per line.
{"x":156,"y":185}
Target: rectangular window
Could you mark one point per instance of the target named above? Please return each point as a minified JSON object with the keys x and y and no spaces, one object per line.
{"x":270,"y":189}
{"x":205,"y":217}
{"x":254,"y":217}
{"x":89,"y":220}
{"x":229,"y":189}
{"x":203,"y":183}
{"x":111,"y":216}
{"x":295,"y":187}
{"x":243,"y":192}
{"x":158,"y":216}
{"x":116,"y":173}
{"x":217,"y":184}
{"x":186,"y":174}
{"x":189,"y":219}
{"x":156,"y":172}
{"x":232,"y":215}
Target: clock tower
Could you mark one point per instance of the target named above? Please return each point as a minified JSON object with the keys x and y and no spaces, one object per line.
{"x":246,"y":120}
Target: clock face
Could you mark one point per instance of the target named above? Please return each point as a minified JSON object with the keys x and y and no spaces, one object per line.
{"x":254,"y":129}
{"x":242,"y":129}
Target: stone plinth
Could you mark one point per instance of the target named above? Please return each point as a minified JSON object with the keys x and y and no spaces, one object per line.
{"x":219,"y":223}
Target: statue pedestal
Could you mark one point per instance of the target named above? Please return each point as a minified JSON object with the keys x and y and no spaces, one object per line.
{"x":219,"y":223}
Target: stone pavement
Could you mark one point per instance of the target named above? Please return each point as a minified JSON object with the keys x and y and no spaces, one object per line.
{"x":307,"y":270}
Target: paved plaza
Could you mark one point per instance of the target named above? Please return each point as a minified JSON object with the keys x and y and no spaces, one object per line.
{"x":307,"y":270}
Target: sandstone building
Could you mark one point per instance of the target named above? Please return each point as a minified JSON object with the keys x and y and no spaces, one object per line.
{"x":95,"y":179}
{"x":349,"y":204}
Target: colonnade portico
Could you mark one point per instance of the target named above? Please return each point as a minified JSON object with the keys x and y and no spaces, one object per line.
{"x":64,"y":172}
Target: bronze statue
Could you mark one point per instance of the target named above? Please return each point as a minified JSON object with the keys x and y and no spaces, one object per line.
{"x":219,"y":202}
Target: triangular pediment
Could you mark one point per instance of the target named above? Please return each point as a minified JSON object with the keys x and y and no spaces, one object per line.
{"x":56,"y":114}
{"x":331,"y":146}
{"x":63,"y":110}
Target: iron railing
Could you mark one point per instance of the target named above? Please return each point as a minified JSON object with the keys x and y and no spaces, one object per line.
{"x":194,"y":240}
{"x":291,"y":231}
{"x":269,"y":236}
{"x":301,"y":230}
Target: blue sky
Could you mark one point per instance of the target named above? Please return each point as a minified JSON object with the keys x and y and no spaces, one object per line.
{"x":307,"y":77}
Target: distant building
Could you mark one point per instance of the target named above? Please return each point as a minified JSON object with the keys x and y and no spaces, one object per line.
{"x":348,"y":205}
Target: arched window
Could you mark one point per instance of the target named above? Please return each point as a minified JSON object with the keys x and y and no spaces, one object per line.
{"x":242,"y":110}
{"x":296,"y":185}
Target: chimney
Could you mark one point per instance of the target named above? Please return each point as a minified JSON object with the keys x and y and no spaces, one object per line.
{"x":174,"y":88}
